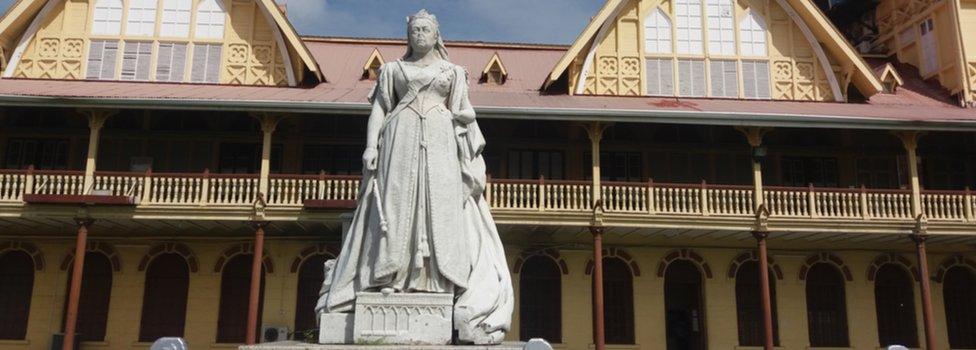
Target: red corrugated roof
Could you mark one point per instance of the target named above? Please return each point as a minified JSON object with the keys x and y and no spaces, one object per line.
{"x":342,"y":61}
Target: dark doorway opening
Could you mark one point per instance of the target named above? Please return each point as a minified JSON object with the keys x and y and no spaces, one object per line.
{"x":684,"y":309}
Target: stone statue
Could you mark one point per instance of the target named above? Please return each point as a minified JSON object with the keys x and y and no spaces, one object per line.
{"x":422,"y":224}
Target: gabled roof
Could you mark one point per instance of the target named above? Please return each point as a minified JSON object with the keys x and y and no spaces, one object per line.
{"x":825,"y":33}
{"x":494,"y":61}
{"x":20,"y":15}
{"x":887,"y":72}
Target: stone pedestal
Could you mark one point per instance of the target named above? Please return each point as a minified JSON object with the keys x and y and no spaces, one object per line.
{"x":392,"y":319}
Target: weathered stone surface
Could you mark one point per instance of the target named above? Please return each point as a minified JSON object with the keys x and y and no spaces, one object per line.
{"x":403,"y":318}
{"x":336,"y":328}
{"x":292,"y":345}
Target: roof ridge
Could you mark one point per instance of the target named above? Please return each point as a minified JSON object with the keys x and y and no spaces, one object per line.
{"x":455,"y":43}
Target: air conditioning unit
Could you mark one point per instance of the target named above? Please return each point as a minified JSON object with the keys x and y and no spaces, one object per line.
{"x":270,"y":334}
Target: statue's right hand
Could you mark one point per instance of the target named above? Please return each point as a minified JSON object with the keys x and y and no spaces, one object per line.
{"x":369,"y":158}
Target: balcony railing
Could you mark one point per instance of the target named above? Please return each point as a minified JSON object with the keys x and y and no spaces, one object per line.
{"x":175,"y":190}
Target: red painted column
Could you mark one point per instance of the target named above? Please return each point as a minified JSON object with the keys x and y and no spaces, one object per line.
{"x":255,"y":294}
{"x":923,"y":281}
{"x":74,"y":292}
{"x":767,"y":304}
{"x":598,"y":328}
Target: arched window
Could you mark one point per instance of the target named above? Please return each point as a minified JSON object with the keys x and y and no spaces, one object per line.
{"x":748,"y":304}
{"x":142,"y":18}
{"x":16,"y":289}
{"x":176,"y":18}
{"x":721,"y":31}
{"x":618,"y":301}
{"x":235,"y":286}
{"x":688,"y":17}
{"x":164,"y":298}
{"x":107,"y":19}
{"x":210,"y":20}
{"x":540,"y":300}
{"x":752,"y":35}
{"x":959,"y":293}
{"x":96,"y":291}
{"x":826,"y":307}
{"x":310,"y":278}
{"x":894,"y":298}
{"x":657,"y":32}
{"x":684,"y":312}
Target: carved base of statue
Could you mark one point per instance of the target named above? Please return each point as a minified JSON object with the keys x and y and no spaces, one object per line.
{"x":391,"y":319}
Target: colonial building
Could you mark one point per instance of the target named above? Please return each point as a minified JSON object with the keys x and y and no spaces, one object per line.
{"x":153,"y":150}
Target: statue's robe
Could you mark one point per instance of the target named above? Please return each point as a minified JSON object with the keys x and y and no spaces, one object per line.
{"x":464,"y":240}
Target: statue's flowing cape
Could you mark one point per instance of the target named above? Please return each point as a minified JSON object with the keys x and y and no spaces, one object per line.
{"x":469,"y":254}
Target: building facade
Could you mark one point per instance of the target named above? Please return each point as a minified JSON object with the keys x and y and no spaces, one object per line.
{"x":663,"y":153}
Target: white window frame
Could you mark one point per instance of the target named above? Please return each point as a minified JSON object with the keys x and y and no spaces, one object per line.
{"x":753,"y":40}
{"x":720,"y":16}
{"x":688,"y":22}
{"x":176,"y":19}
{"x":211,"y":19}
{"x":173,"y":67}
{"x":140,"y":59}
{"x":107,"y":17}
{"x":141,"y":18}
{"x":658,"y":33}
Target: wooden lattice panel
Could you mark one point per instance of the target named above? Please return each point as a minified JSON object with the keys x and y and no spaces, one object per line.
{"x":58,"y":48}
{"x":252,"y":56}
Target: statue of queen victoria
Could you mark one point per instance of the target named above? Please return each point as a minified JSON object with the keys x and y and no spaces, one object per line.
{"x":422,"y":224}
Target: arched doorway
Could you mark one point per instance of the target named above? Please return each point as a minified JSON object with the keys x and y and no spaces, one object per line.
{"x":16,"y":289}
{"x":959,"y":293}
{"x":93,"y":302}
{"x":310,"y":278}
{"x":684,"y":307}
{"x":164,"y":298}
{"x":540,"y":300}
{"x":235,"y":289}
{"x":894,"y":298}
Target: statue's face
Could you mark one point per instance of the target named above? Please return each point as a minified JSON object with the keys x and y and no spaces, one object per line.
{"x":423,"y":36}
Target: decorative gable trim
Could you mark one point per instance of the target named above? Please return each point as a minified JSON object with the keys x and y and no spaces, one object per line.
{"x":832,"y":40}
{"x":583,"y":40}
{"x":294,"y":41}
{"x":28,"y":35}
{"x":494,"y":66}
{"x":889,"y":77}
{"x":371,"y":69}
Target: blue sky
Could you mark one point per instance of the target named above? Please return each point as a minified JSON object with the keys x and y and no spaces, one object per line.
{"x":532,"y":21}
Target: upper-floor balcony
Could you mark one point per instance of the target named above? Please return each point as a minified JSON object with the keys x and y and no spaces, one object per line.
{"x":208,"y":196}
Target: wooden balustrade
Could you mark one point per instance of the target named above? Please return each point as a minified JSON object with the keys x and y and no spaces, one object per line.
{"x":541,"y":195}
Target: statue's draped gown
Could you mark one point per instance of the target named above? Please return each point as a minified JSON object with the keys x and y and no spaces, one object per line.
{"x":430,"y":175}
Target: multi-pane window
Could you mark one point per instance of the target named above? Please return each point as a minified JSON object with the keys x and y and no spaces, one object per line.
{"x":530,"y":164}
{"x":332,"y":159}
{"x":210,"y":20}
{"x":170,"y":62}
{"x":136,"y":60}
{"x":102,"y":58}
{"x":176,"y":18}
{"x":131,"y":54}
{"x":752,"y":35}
{"x":206,"y":63}
{"x":803,"y":171}
{"x":721,"y":34}
{"x":689,"y":24}
{"x":657,"y":32}
{"x":674,"y":42}
{"x":107,"y":18}
{"x":141,"y":19}
{"x":44,"y":154}
{"x":725,"y":78}
{"x":616,"y":166}
{"x":877,"y":172}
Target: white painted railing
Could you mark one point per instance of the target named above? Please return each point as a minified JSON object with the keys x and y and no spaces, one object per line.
{"x":58,"y":183}
{"x":622,"y":198}
{"x":293,"y":190}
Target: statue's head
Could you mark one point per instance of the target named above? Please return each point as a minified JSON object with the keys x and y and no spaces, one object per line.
{"x":424,"y":35}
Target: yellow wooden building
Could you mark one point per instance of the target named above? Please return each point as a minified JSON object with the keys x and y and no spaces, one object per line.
{"x":162,"y":140}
